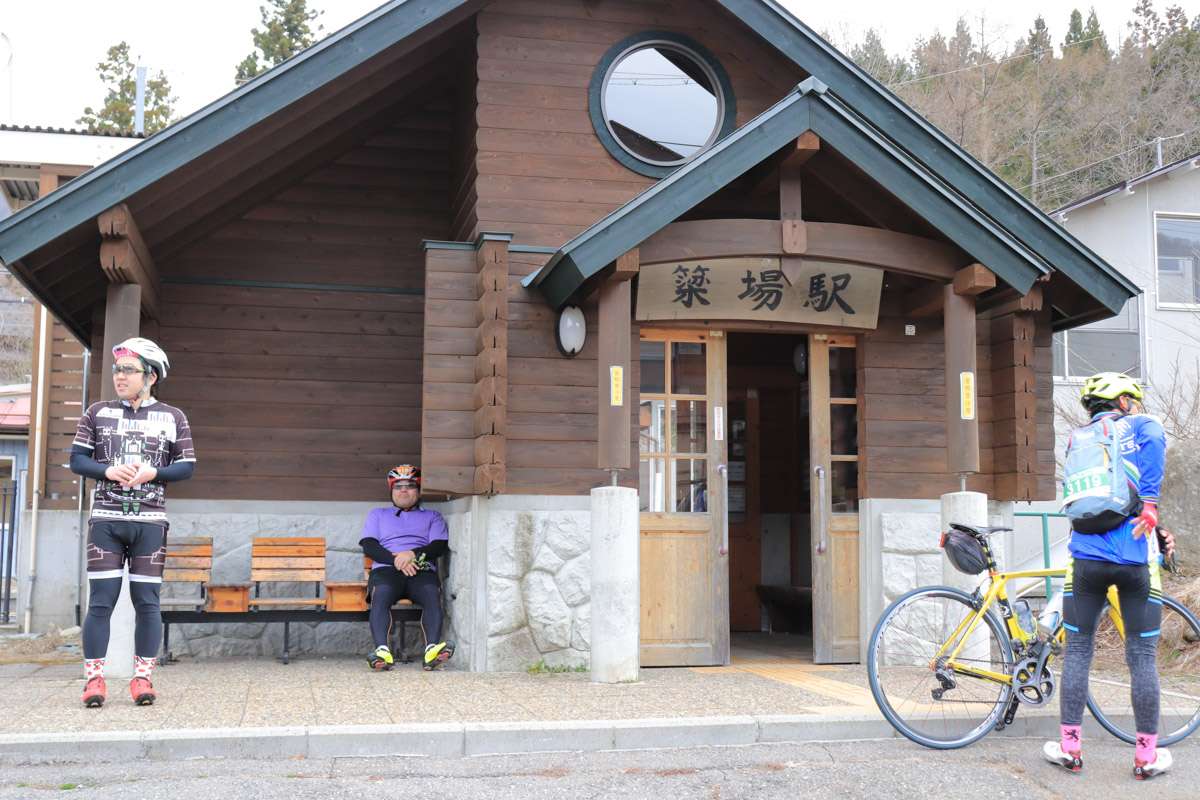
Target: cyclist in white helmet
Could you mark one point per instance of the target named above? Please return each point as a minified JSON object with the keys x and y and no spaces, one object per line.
{"x":1126,"y":556}
{"x":131,"y":447}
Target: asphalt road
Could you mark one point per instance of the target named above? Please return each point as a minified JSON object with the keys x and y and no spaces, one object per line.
{"x":993,"y":768}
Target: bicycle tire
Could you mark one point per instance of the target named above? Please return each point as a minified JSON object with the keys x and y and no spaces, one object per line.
{"x":1178,"y":677}
{"x":907,"y":637}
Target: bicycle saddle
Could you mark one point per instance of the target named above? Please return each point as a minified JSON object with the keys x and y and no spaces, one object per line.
{"x":979,"y":531}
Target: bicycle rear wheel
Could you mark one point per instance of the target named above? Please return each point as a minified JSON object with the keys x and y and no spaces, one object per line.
{"x":940,"y":710}
{"x":1178,"y":677}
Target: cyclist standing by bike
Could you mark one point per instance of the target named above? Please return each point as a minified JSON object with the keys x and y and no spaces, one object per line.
{"x":1127,"y":557}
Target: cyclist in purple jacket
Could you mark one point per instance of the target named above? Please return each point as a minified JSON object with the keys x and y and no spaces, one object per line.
{"x":404,"y":542}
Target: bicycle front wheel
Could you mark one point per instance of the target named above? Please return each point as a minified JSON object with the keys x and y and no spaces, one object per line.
{"x":1178,"y":677}
{"x":927,"y":702}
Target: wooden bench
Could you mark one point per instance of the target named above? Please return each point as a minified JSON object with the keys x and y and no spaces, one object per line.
{"x":281,"y":560}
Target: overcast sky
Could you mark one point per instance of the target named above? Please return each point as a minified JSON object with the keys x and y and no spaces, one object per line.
{"x":56,"y":44}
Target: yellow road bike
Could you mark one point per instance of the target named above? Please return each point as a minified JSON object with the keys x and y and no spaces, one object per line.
{"x":945,"y":668}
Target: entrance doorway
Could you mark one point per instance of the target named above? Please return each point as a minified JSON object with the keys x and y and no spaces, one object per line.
{"x":749,"y":492}
{"x":793,"y":489}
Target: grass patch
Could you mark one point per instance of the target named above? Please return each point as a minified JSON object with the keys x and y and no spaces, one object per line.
{"x":541,"y":667}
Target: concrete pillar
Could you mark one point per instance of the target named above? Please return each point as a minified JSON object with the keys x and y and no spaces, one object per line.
{"x":122,"y":317}
{"x":968,"y":508}
{"x":118,"y":663}
{"x":616,"y":587}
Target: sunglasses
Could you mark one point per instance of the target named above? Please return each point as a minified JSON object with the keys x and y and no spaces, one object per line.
{"x":126,"y":369}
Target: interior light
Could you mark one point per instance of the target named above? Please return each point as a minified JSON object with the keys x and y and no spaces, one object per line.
{"x":800,"y":358}
{"x":571,"y":331}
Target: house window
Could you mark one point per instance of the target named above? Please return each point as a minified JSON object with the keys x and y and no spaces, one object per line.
{"x":1111,"y":345}
{"x":658,"y":100}
{"x":1177,"y":239}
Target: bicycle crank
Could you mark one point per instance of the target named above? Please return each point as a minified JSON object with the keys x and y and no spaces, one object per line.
{"x":1033,"y":684}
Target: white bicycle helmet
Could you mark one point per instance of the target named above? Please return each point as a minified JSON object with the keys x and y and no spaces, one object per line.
{"x":148,"y":352}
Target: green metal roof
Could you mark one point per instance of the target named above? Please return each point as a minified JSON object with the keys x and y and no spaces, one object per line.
{"x":568,"y":276}
{"x":251,"y":103}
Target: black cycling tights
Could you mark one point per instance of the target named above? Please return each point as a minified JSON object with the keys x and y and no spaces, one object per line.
{"x":147,"y":634}
{"x":424,"y":589}
{"x":1140,"y":594}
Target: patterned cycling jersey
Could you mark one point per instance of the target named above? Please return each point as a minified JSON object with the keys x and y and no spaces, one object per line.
{"x":156,"y":434}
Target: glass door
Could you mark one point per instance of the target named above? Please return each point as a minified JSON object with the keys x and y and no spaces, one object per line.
{"x":833,"y":430}
{"x":684,"y":534}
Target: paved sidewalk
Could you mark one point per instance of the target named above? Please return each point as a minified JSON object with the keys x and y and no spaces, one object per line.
{"x":337,"y":706}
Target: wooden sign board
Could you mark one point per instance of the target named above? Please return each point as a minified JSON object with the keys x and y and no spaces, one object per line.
{"x":824,"y":293}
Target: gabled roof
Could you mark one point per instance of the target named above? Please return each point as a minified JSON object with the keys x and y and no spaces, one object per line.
{"x":929,"y":146}
{"x":811,"y":107}
{"x":1012,"y":224}
{"x":1183,"y":165}
{"x":227,"y":118}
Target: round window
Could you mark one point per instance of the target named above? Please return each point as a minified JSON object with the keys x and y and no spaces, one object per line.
{"x":658,"y":100}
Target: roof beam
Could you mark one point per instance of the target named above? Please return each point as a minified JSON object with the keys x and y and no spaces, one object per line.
{"x":125,"y":257}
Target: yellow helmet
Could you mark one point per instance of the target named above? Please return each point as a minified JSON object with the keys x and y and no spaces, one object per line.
{"x":1110,"y":386}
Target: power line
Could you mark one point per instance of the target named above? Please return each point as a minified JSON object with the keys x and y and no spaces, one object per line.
{"x":980,"y":66}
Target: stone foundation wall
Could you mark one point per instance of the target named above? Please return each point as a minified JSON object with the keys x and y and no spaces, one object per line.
{"x":538,"y":582}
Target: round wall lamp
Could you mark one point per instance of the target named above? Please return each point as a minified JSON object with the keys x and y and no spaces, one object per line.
{"x":570,"y":331}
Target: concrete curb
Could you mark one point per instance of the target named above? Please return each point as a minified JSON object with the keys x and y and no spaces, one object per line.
{"x":461,"y":739}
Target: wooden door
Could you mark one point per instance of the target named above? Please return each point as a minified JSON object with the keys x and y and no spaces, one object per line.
{"x":684,"y":545}
{"x":833,"y":421}
{"x":745,"y":526}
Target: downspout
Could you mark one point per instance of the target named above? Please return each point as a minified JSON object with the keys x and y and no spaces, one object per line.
{"x":39,"y":462}
{"x":87,"y":364}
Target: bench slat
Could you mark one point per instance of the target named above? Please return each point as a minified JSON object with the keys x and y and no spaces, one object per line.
{"x":186,"y":575}
{"x":287,"y":601}
{"x":287,"y":575}
{"x":189,"y":550}
{"x":291,"y":562}
{"x":188,"y":562}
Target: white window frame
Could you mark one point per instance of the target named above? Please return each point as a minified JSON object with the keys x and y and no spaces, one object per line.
{"x":1077,"y":380}
{"x":1160,"y":303}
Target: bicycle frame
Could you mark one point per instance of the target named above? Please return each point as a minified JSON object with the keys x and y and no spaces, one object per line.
{"x":997,"y":593}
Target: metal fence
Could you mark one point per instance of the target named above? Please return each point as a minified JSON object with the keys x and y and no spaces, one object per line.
{"x":8,"y":549}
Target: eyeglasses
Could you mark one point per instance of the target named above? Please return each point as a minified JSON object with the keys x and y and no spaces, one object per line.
{"x":412,"y":486}
{"x":126,"y":369}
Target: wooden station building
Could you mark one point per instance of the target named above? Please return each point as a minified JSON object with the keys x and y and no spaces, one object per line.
{"x":807,"y":311}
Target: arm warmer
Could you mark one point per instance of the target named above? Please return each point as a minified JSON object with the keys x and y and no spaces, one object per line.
{"x":83,"y":464}
{"x":377,"y":552}
{"x":434,"y":550}
{"x":179,"y":471}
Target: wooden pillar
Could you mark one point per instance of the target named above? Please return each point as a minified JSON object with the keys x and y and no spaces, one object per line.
{"x":1014,"y":407}
{"x":616,"y":342}
{"x":795,"y":236}
{"x":122,"y":318}
{"x":491,"y":365}
{"x":962,"y":407}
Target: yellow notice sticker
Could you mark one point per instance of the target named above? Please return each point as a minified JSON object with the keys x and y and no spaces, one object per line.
{"x":966,"y":387}
{"x":616,"y":379}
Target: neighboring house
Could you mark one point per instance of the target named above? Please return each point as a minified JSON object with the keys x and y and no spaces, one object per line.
{"x":34,"y":161}
{"x":365,"y":256}
{"x":1147,"y":227}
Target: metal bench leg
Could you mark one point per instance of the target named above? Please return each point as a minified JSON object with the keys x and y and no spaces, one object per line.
{"x":286,"y":650}
{"x":166,"y":644}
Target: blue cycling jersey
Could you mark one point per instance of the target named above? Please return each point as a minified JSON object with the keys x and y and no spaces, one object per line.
{"x":1143,"y":448}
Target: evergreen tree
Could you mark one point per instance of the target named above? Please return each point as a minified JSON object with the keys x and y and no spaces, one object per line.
{"x":1040,"y":47}
{"x":285,"y":32}
{"x":1093,"y":36}
{"x":119,"y":73}
{"x":1074,"y":30}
